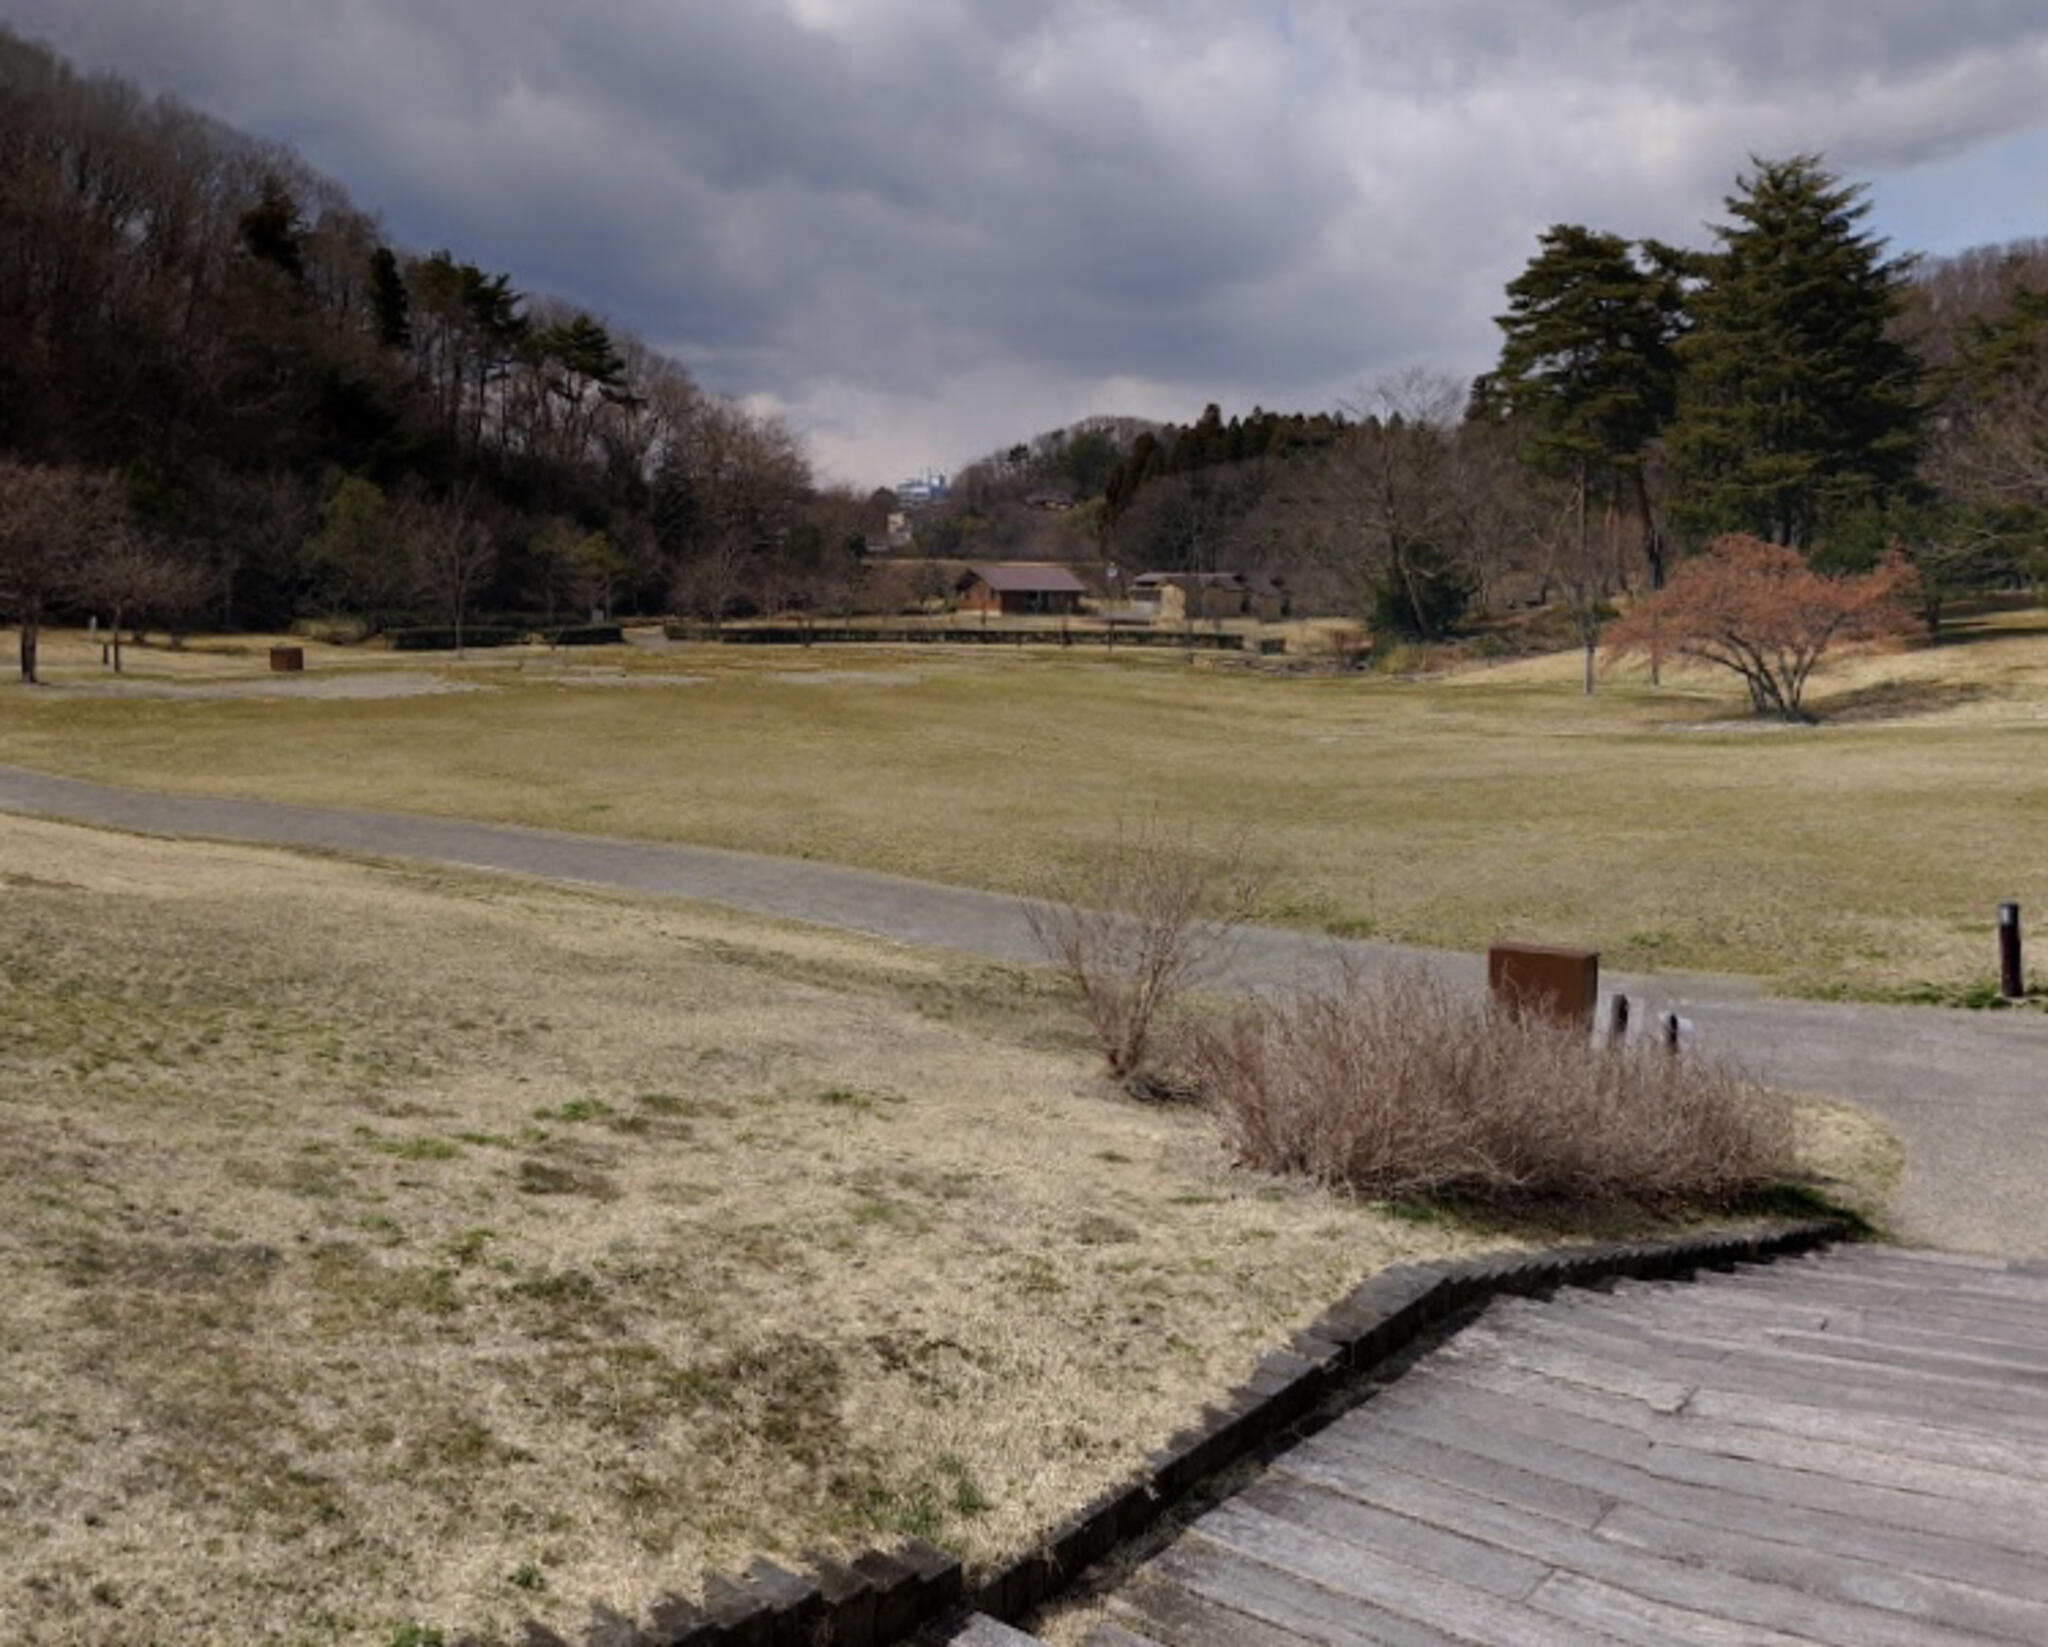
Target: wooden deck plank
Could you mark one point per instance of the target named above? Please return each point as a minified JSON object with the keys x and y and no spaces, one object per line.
{"x":1382,"y":1586}
{"x":1946,"y":1555}
{"x":1850,"y":1289}
{"x":1894,"y":1437}
{"x":1708,"y":1339}
{"x":1879,"y":1251}
{"x":2021,"y":1382}
{"x":1737,"y":1426}
{"x":1864,"y":1583}
{"x":1849,"y":1451}
{"x":1229,"y":1580}
{"x":1584,"y":1360}
{"x":1789,"y":1374}
{"x":1582,"y":1353}
{"x":1955,"y":1320}
{"x":1926,"y":1263}
{"x":1166,"y":1601}
{"x":1435,"y":1549}
{"x":1528,"y":1432}
{"x":1633,"y":1618}
{"x":1774,"y":1585}
{"x":1106,"y":1633}
{"x":1347,"y":1449}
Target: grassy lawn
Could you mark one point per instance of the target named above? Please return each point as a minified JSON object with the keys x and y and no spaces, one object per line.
{"x":386,"y":1245}
{"x":1663,"y":827}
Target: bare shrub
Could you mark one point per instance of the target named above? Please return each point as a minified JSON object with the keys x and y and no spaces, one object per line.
{"x":1392,"y":1084}
{"x":1146,"y":919}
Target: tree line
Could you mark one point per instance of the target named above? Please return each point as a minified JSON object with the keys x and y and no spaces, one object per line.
{"x":260,"y":408}
{"x":265,"y":409}
{"x":1792,"y":384}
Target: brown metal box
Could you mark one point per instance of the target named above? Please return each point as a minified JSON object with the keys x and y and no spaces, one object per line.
{"x":1565,"y":983}
{"x":287,"y":659}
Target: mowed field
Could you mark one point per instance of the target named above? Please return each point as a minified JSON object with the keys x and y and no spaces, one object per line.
{"x":1665,"y":827}
{"x":390,"y":1248}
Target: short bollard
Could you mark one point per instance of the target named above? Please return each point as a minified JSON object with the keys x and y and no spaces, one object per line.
{"x":2012,"y":974}
{"x":1676,"y":1033}
{"x":1617,"y":1020}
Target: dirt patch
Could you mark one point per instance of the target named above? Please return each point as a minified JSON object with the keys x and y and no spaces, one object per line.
{"x":361,"y":685}
{"x":600,"y":676}
{"x":847,"y":677}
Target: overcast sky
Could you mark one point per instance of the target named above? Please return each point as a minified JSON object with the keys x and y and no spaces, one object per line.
{"x":924,"y":228}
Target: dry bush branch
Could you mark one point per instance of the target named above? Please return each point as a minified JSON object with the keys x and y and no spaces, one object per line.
{"x":1390,"y":1084}
{"x":1145,"y":920}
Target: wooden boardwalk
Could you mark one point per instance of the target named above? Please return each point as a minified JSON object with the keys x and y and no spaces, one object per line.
{"x":1851,"y":1448}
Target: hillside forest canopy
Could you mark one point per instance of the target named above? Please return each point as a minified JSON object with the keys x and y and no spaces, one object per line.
{"x":226,"y":398}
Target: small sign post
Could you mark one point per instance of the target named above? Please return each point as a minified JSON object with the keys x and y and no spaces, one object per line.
{"x":1562,"y":983}
{"x":2012,"y":976}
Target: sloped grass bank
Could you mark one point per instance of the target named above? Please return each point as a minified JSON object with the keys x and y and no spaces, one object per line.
{"x":386,"y":1246}
{"x":390,"y":1248}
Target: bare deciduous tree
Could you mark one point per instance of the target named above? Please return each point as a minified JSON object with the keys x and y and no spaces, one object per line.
{"x":1395,"y":505}
{"x":1148,"y":917}
{"x":128,"y":577}
{"x":1580,"y":556}
{"x":1759,"y":610}
{"x":452,"y":551}
{"x":48,"y":519}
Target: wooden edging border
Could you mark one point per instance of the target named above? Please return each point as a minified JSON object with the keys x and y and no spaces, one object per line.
{"x":881,"y":1598}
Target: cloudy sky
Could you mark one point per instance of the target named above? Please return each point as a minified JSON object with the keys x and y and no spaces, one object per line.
{"x":924,"y":228}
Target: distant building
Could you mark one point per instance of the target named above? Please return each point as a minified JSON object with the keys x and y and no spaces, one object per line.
{"x":1174,"y":596}
{"x":1019,"y":591}
{"x":924,"y":490}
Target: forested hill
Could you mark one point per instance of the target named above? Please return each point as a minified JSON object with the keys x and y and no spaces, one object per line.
{"x":225,"y":394}
{"x":217,"y":336}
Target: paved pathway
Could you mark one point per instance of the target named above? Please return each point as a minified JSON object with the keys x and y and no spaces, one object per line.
{"x":1967,"y":1092}
{"x":1849,"y":1449}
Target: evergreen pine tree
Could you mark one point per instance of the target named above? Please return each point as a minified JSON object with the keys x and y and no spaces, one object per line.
{"x":1587,"y":367}
{"x":390,"y":303}
{"x":1796,"y":408}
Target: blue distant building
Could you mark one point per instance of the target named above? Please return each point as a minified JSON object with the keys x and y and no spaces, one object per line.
{"x":928,"y":488}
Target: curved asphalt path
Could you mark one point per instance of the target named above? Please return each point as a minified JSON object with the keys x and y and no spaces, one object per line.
{"x":1967,"y":1092}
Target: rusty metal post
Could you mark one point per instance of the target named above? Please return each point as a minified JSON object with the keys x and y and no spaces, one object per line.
{"x":2012,"y":974}
{"x":1564,"y":983}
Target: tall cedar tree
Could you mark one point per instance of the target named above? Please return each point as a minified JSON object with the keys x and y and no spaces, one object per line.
{"x":1587,"y":364}
{"x":1796,"y":407}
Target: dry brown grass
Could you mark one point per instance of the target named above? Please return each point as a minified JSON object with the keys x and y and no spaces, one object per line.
{"x":373,"y":1235}
{"x":388,"y":1245}
{"x":1392,"y":1084}
{"x":1665,"y":828}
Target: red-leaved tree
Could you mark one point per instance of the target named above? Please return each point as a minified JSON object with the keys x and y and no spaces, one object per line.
{"x":1757,"y":608}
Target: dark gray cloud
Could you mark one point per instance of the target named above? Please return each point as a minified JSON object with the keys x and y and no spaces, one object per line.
{"x":924,"y":227}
